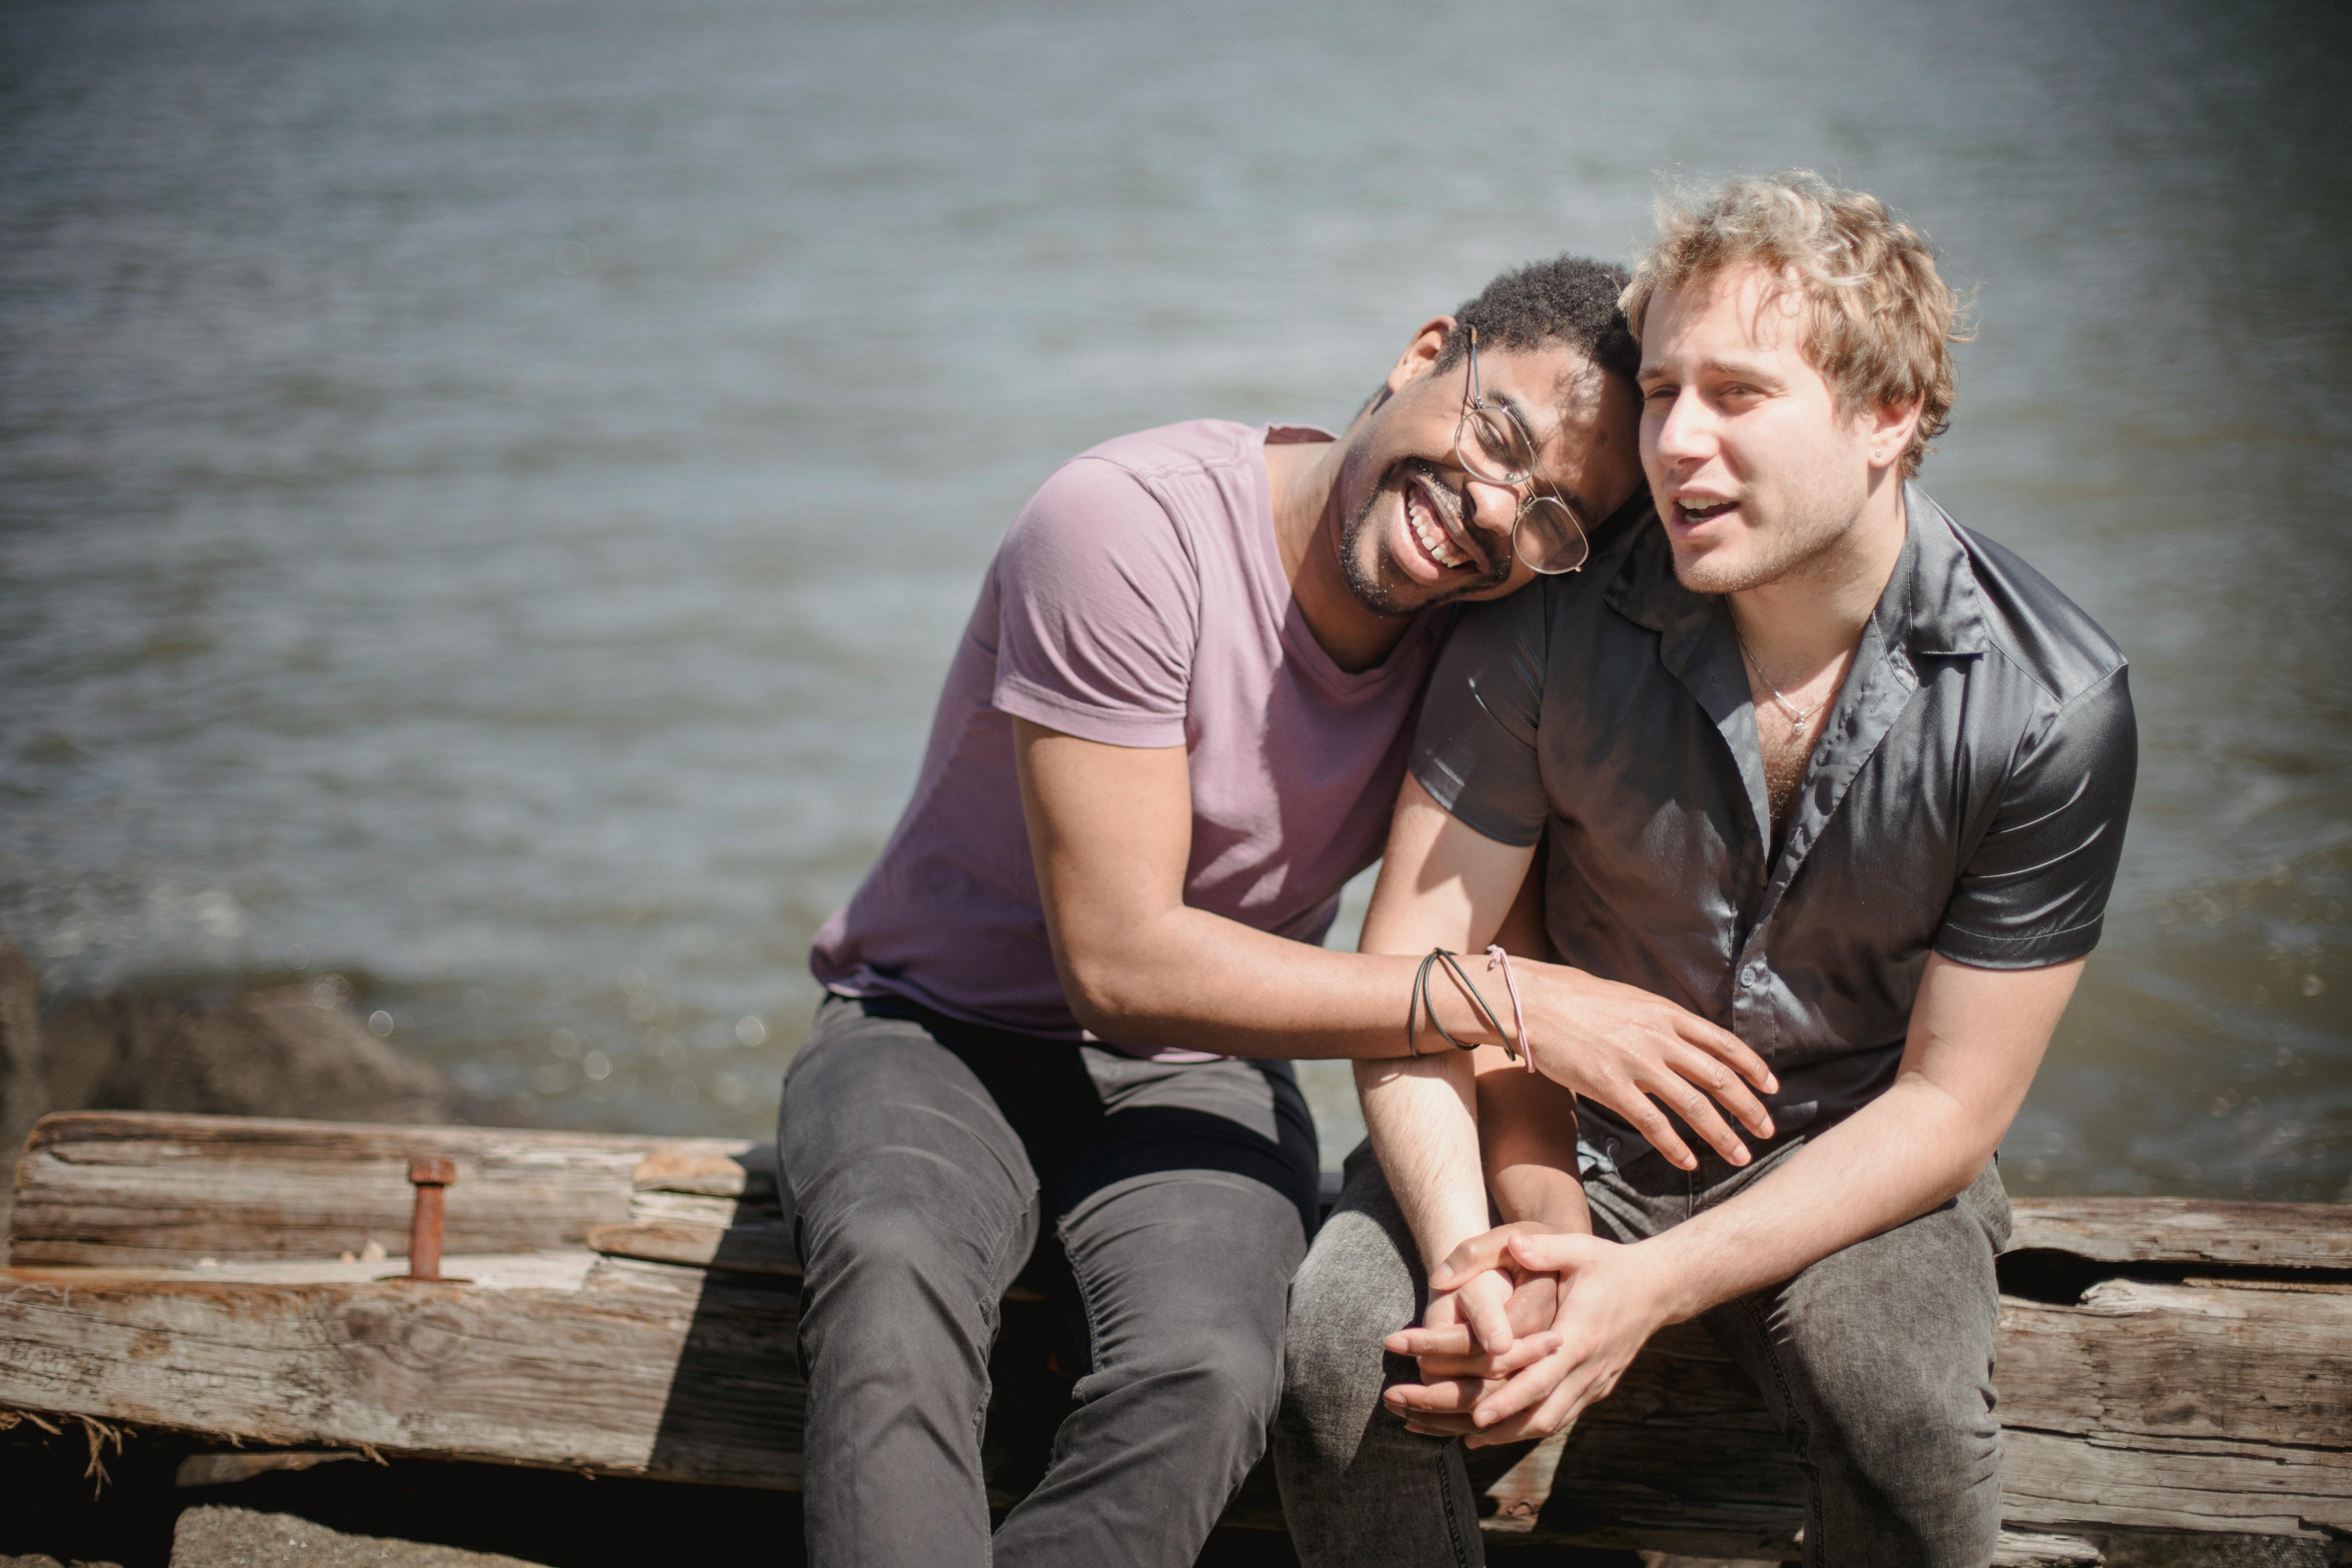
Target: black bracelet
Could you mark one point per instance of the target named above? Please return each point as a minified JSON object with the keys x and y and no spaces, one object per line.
{"x":1419,"y":1001}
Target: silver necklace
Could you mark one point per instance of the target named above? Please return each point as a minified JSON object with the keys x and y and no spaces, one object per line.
{"x":1797,"y":719}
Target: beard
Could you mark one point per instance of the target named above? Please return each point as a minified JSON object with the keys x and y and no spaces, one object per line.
{"x":1379,"y":584}
{"x":1785,"y":548}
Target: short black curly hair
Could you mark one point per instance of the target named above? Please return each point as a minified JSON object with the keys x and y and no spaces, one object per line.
{"x":1569,"y":299}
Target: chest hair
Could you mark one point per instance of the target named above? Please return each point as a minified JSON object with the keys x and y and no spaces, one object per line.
{"x":1786,"y":749}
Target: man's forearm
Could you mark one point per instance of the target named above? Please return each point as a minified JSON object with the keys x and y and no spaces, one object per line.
{"x":1424,"y":1126}
{"x":1976,"y":1035}
{"x":1197,"y":980}
{"x":1892,"y":1161}
{"x":1526,"y":1143}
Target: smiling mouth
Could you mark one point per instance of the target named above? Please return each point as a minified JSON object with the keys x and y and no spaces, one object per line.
{"x":1421,"y":517}
{"x":1690,"y":516}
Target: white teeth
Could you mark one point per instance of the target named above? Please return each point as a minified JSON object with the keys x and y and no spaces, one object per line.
{"x":1433,"y":539}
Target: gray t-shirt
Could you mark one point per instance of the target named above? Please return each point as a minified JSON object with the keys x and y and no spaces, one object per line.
{"x":1966,"y":796}
{"x":1139,"y":600}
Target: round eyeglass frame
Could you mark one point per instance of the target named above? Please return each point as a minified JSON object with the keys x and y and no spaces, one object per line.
{"x":1571,"y":545}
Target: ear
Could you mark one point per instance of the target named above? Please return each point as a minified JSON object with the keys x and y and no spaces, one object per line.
{"x":1888,"y":429}
{"x":1421,"y":353}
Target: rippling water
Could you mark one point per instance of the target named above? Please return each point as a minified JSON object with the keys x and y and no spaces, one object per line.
{"x":486,"y":492}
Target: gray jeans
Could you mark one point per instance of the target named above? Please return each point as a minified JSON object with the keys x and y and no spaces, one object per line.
{"x":1876,"y":1363}
{"x":923,"y":1159}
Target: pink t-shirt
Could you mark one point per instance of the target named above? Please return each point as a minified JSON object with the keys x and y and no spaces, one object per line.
{"x":1139,"y":600}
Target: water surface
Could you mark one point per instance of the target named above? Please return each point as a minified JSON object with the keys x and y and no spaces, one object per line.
{"x":487,"y":493}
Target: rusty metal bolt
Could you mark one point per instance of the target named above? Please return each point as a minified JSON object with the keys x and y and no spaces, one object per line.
{"x":430,"y":1176}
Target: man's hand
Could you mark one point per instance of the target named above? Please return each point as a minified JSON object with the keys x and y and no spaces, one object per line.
{"x":1445,"y":885}
{"x":1620,"y":1045}
{"x":1494,"y":1311}
{"x":1611,"y":1299}
{"x":1504,"y":1317}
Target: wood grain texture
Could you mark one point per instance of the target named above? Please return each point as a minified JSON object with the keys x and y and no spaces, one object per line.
{"x":2185,"y":1231}
{"x":122,"y":1187}
{"x":653,"y":1369}
{"x":632,"y":1314}
{"x":689,"y":1378}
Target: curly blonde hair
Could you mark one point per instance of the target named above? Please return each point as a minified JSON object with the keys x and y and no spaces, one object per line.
{"x":1879,"y":320}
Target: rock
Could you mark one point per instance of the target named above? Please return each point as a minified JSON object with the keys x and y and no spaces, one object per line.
{"x":290,"y":1050}
{"x":218,"y":1537}
{"x":296,"y":1050}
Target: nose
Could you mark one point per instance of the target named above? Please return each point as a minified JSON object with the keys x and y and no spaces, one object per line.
{"x":1488,"y":505}
{"x":1684,"y":434}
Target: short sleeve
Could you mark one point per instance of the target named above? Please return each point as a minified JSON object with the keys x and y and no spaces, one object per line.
{"x":1476,"y":752}
{"x":2034,"y":892}
{"x":1099,"y":610}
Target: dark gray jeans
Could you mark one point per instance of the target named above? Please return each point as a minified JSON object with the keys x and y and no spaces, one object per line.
{"x":1876,"y":1363}
{"x":923,"y":1158}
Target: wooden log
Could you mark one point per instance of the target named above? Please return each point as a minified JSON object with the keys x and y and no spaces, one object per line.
{"x":2220,"y":1406}
{"x":2022,"y":1549}
{"x":2185,"y":1231}
{"x":748,"y":1172}
{"x":122,"y":1187}
{"x":758,"y":1248}
{"x":688,"y":1378}
{"x":658,"y":1370}
{"x":2182,"y":1361}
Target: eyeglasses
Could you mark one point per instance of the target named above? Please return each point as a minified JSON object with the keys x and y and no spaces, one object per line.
{"x":1492,"y":445}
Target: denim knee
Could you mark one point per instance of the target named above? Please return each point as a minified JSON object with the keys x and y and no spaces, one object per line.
{"x":1878,"y":1361}
{"x":1225,"y":1382}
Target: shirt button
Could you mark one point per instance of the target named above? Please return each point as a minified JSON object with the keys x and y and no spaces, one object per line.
{"x":1753,"y":976}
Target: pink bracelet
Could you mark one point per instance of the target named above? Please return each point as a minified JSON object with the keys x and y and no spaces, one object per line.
{"x":1497,"y":959}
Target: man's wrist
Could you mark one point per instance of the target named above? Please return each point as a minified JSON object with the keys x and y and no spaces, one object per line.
{"x":1672,"y":1290}
{"x":1465,"y":1015}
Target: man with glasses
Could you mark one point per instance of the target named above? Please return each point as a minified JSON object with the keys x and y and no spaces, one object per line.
{"x":1802,"y":755}
{"x":1174,"y":729}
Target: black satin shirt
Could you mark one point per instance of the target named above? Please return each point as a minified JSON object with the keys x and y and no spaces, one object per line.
{"x":1966,"y":796}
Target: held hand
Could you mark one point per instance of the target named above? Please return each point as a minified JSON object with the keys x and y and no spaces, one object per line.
{"x":1474,"y":1309}
{"x":1521,"y":1301}
{"x":1610,"y":1302}
{"x":1494,"y":1319}
{"x":1620,"y":1045}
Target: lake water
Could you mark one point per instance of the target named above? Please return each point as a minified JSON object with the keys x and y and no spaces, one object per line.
{"x":486,"y":492}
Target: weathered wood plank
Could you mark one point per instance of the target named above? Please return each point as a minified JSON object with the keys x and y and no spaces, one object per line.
{"x":2021,"y":1550}
{"x":563,"y":1270}
{"x":2206,"y":1406}
{"x":2182,"y":1361}
{"x":2187,"y":1230}
{"x":744,"y":1249}
{"x":122,"y":1187}
{"x":2153,"y":1408}
{"x":2051,"y":1480}
{"x":692,"y":1379}
{"x":659,"y":1370}
{"x":748,"y":1172}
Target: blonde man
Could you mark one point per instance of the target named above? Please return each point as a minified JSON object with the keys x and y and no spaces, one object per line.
{"x":1809,"y":759}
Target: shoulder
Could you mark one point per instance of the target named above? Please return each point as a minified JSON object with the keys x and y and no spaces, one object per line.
{"x":1148,"y":492}
{"x":2031,"y":626}
{"x":1173,"y":451}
